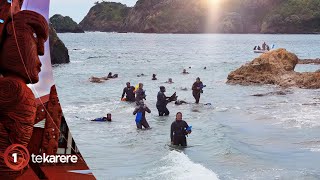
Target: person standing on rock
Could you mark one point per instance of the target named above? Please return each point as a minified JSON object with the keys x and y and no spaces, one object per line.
{"x":197,"y":89}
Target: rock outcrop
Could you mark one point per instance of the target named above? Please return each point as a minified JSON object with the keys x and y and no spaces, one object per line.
{"x":274,"y":67}
{"x":105,"y":17}
{"x":58,"y":51}
{"x":278,"y":93}
{"x":309,"y":61}
{"x":64,"y":24}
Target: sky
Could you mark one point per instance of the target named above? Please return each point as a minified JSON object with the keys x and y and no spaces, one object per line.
{"x":78,"y":9}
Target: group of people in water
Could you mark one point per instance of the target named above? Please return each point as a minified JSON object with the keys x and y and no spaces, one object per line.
{"x":94,"y":79}
{"x":137,"y":95}
{"x":263,"y":47}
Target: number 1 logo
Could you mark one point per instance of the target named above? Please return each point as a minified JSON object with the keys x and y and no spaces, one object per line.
{"x":16,"y":157}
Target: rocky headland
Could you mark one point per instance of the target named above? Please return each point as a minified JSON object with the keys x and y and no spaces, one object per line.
{"x":275,"y":67}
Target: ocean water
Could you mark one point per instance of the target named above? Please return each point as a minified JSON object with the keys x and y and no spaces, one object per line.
{"x":239,"y":136}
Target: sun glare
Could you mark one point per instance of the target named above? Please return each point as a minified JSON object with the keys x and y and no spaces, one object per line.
{"x":213,"y":7}
{"x":213,"y":2}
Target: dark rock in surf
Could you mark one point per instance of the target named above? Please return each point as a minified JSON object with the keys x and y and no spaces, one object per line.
{"x":279,"y":93}
{"x":58,"y":51}
{"x":309,"y":61}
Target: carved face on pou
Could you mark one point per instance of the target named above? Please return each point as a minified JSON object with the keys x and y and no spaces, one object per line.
{"x":31,"y":30}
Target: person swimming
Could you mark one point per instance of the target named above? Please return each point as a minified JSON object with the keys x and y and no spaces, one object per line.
{"x":169,"y":81}
{"x":140,"y":75}
{"x":154,"y":77}
{"x":104,"y":119}
{"x":110,"y":75}
{"x":140,"y":112}
{"x":179,"y":130}
{"x":185,"y":71}
{"x":180,"y":102}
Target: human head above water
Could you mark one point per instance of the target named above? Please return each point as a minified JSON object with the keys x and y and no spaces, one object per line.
{"x":140,"y":85}
{"x":179,"y":116}
{"x":170,"y":80}
{"x":109,"y":117}
{"x":141,"y":103}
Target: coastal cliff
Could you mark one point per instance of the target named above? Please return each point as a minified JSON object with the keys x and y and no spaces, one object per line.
{"x":203,"y":16}
{"x":105,"y":17}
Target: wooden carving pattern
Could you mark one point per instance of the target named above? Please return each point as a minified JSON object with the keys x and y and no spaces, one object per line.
{"x":5,"y":14}
{"x":32,"y":31}
{"x":17,"y":102}
{"x":52,"y":126}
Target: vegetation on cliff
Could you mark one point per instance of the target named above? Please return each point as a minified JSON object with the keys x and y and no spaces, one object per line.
{"x":294,"y":16}
{"x":105,"y":16}
{"x":64,"y":24}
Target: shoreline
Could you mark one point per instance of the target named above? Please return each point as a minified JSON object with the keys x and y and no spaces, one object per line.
{"x":255,"y":33}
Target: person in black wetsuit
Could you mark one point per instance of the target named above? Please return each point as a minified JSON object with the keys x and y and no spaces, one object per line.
{"x":140,"y":94}
{"x":162,"y":101}
{"x":129,"y":91}
{"x":197,"y":90}
{"x":179,"y":131}
{"x":110,"y":75}
{"x":142,"y":108}
{"x":154,"y":77}
{"x":185,"y":71}
{"x":169,"y":81}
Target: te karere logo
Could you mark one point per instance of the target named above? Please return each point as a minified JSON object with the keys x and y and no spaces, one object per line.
{"x":54,"y":158}
{"x":17,"y":157}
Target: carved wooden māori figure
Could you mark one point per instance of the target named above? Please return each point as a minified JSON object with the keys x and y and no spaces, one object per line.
{"x":22,"y":41}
